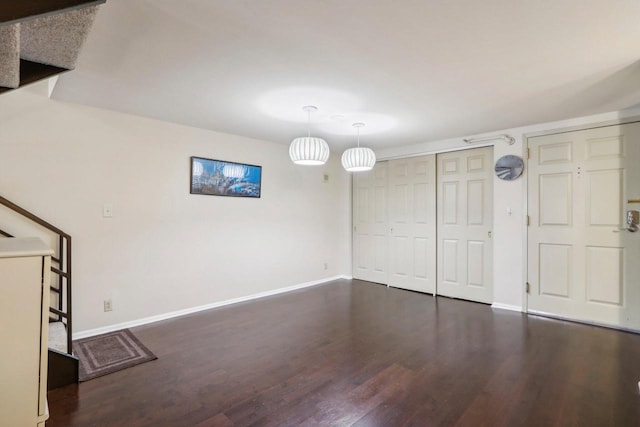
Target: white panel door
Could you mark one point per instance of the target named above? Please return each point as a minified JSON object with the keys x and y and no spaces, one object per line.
{"x":412,"y":222}
{"x":465,"y":221}
{"x":580,"y":264}
{"x":370,"y":225}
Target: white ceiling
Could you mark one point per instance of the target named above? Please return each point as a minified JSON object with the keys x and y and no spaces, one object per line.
{"x":413,"y":71}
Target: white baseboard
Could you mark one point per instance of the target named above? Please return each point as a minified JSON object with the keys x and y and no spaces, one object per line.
{"x":585,"y":322}
{"x":165,"y":316}
{"x":506,"y":307}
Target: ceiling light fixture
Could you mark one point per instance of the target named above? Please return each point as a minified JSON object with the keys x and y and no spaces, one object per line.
{"x":358,"y":159}
{"x":308,"y":150}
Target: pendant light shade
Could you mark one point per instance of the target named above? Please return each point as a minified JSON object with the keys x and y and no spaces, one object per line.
{"x":358,"y":159}
{"x":308,"y":150}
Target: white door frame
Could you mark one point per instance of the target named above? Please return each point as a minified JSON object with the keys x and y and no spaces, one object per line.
{"x":525,"y":228}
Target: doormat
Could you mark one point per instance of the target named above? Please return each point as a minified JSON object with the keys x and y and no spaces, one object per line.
{"x":108,"y":353}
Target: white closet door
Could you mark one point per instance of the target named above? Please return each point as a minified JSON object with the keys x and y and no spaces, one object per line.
{"x":465,"y":222}
{"x":412,"y":225}
{"x":370,"y":243}
{"x":580,"y":264}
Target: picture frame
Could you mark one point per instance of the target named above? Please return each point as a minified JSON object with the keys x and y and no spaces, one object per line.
{"x":213,"y":177}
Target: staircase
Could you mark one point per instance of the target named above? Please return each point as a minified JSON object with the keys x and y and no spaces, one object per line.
{"x":63,"y":365}
{"x":41,"y":38}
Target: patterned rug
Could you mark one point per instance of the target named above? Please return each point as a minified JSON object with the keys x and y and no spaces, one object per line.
{"x":108,"y":353}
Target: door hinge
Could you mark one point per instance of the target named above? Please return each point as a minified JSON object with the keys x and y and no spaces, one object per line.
{"x":528,"y":153}
{"x":528,"y":220}
{"x":527,"y":287}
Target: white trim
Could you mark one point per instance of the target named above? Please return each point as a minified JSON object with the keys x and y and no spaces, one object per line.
{"x":586,"y":126}
{"x":178,"y":313}
{"x":581,"y":321}
{"x":51,"y":85}
{"x":437,"y":151}
{"x":509,"y":307}
{"x":427,"y":147}
{"x":526,"y":153}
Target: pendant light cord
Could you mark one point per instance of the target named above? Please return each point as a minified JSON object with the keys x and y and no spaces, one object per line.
{"x":358,"y":126}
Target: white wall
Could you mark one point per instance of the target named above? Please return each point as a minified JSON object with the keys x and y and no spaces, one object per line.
{"x":509,"y":230}
{"x":166,"y":250}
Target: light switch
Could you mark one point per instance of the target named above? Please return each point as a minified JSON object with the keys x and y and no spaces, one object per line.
{"x":107,"y":210}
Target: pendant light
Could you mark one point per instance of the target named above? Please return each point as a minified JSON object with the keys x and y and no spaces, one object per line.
{"x":308,"y":150}
{"x":358,"y":159}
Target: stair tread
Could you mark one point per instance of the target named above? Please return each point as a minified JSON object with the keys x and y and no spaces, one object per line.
{"x":58,"y":336}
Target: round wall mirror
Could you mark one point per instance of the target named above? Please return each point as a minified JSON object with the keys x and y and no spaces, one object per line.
{"x":509,"y":167}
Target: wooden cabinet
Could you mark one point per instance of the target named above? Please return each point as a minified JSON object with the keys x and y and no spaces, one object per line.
{"x":25,"y":266}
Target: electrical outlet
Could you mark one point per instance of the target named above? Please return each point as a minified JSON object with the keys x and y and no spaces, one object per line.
{"x":108,"y":306}
{"x":325,"y":177}
{"x":326,"y":265}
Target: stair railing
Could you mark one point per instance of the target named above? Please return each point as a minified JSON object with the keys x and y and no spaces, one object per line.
{"x":60,"y":265}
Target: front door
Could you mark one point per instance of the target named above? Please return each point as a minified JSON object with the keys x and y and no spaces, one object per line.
{"x":582,"y":263}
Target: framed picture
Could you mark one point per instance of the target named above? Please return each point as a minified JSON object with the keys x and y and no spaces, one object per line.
{"x":220,"y":178}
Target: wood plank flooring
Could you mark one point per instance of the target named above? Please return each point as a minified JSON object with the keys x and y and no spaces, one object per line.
{"x":356,"y":353}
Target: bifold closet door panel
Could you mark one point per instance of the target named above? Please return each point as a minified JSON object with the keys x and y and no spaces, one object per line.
{"x":370,"y":224}
{"x":465,"y":222}
{"x":412,"y":223}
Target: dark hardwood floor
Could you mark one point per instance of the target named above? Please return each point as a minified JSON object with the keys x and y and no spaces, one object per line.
{"x":356,"y":353}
